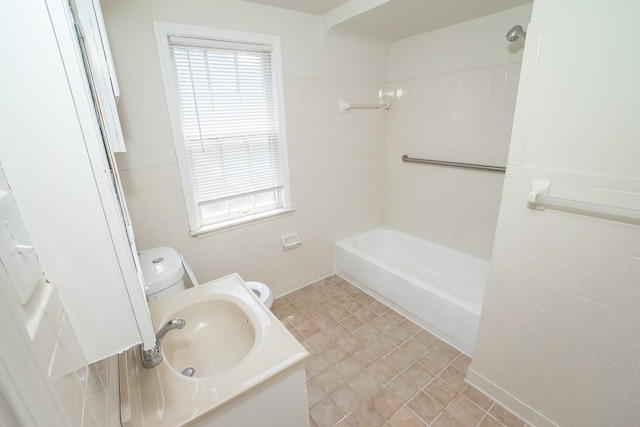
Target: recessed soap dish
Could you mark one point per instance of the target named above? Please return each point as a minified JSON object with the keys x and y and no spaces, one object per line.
{"x":291,"y":241}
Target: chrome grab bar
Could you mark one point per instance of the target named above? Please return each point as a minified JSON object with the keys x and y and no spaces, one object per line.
{"x":408,"y":159}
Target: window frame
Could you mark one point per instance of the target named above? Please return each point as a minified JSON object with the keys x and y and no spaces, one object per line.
{"x":163,"y":31}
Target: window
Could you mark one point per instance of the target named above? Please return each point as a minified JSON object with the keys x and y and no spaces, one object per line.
{"x":224,"y":95}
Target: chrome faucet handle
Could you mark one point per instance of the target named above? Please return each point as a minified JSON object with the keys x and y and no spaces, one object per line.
{"x":153,"y":356}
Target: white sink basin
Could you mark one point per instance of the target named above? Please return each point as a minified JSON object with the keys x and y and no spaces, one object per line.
{"x":230,"y":339}
{"x":217,"y":336}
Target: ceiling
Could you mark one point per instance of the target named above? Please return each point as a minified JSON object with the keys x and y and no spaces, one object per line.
{"x":398,"y":19}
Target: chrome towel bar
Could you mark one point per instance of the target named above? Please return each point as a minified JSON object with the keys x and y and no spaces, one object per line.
{"x":406,"y":158}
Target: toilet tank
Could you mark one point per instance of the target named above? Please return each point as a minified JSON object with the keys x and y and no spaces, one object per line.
{"x":162,"y":271}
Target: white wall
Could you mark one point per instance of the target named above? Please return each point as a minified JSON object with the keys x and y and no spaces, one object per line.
{"x":455,"y":92}
{"x":559,"y":339}
{"x":336,"y":160}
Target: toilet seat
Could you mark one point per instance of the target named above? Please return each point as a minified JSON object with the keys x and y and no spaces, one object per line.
{"x":262,"y":291}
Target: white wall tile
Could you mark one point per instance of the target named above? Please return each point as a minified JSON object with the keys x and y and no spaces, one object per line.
{"x":606,"y":395}
{"x":630,"y":409}
{"x":557,"y":412}
{"x":581,"y":334}
{"x":596,"y":288}
{"x":618,"y":350}
{"x":631,"y":274}
{"x":543,"y":340}
{"x":605,"y":263}
{"x":610,"y":372}
{"x":589,"y":312}
{"x":574,"y":354}
{"x":590,"y":413}
{"x":623,"y":325}
{"x":627,"y":298}
{"x":568,"y":374}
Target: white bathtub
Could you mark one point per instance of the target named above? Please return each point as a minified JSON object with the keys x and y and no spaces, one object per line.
{"x":439,"y":288}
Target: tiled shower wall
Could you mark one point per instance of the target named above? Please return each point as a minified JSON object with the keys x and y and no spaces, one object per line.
{"x":463,"y":116}
{"x":88,"y":393}
{"x":559,"y":339}
{"x":559,"y":336}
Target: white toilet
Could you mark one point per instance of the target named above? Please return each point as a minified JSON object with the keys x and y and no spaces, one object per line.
{"x":262,"y":291}
{"x":163,"y":272}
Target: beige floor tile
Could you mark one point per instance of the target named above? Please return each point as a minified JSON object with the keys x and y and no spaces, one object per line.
{"x":336,"y":331}
{"x":303,"y":304}
{"x":352,"y":306}
{"x":365,"y":315}
{"x":288,"y":309}
{"x":396,"y":335}
{"x":314,"y":392}
{"x":349,"y":367}
{"x":324,"y":320}
{"x":465,"y":411}
{"x":445,"y":419}
{"x":393,"y":317}
{"x":403,"y":388}
{"x":383,"y":371}
{"x":365,"y":416}
{"x":433,"y":362}
{"x":350,"y":343}
{"x":316,"y":364}
{"x":380,"y":324}
{"x":319,"y":341}
{"x":426,"y":338}
{"x":334,"y":353}
{"x":462,"y":362}
{"x":404,"y":417}
{"x":418,"y":374}
{"x":346,"y":399}
{"x":445,"y":351}
{"x":351,"y":323}
{"x":366,"y":333}
{"x":454,"y":377}
{"x":381,"y":346}
{"x":365,"y":384}
{"x":414,"y":347}
{"x":399,"y":359}
{"x":377,"y":307}
{"x":329,"y":380}
{"x":308,"y":329}
{"x":409,"y":327}
{"x":338,"y":313}
{"x":441,"y":391}
{"x":365,"y":356}
{"x":367,"y":361}
{"x":344,"y":423}
{"x":489,"y":421}
{"x":365,"y":299}
{"x":325,"y":413}
{"x":477,"y":397}
{"x":425,"y":406}
{"x":505,"y":417}
{"x":385,"y":403}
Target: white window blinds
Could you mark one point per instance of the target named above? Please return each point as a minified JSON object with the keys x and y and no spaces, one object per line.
{"x":230,"y":122}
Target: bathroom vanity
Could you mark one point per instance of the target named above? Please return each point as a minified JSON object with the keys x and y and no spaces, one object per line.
{"x":233,"y":364}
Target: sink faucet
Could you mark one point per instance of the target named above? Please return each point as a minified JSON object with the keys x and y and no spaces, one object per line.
{"x":153,"y":357}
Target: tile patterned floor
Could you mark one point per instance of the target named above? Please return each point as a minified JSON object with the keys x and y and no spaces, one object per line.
{"x":370,"y":366}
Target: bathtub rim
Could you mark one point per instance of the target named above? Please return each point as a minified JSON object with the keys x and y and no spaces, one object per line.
{"x":475,"y":307}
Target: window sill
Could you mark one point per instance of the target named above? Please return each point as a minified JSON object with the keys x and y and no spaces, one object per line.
{"x":209,"y":230}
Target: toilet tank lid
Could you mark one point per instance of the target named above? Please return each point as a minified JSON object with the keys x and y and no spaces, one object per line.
{"x":161,"y":268}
